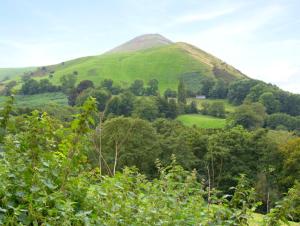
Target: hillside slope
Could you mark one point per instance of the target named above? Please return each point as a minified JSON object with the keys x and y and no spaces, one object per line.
{"x":9,"y":73}
{"x":146,"y":57}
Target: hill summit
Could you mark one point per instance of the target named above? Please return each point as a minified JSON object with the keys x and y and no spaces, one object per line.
{"x":146,"y":41}
{"x":145,"y":57}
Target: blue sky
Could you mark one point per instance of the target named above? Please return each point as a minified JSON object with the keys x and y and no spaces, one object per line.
{"x":259,"y":37}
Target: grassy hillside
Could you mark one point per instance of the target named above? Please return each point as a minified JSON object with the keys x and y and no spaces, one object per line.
{"x":166,"y":63}
{"x":11,"y":73}
{"x":202,"y":121}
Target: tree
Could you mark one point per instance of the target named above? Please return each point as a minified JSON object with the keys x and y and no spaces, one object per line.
{"x":46,"y":86}
{"x":152,"y":89}
{"x":145,"y":108}
{"x":271,"y":104}
{"x":113,"y":106}
{"x":75,"y":92}
{"x":250,"y":116}
{"x":193,"y":109}
{"x":205,"y":107}
{"x":239,"y":89}
{"x":207,"y":84}
{"x":217,"y":109}
{"x":170,"y":93}
{"x":101,"y":96}
{"x":273,"y":121}
{"x":130,"y":142}
{"x":8,"y":88}
{"x":30,"y":87}
{"x":291,"y":168}
{"x":256,"y":91}
{"x":107,"y":83}
{"x":68,"y":82}
{"x":181,"y":92}
{"x":137,"y":87}
{"x":120,"y":105}
{"x":219,"y":90}
{"x":85,"y":84}
{"x":126,"y":103}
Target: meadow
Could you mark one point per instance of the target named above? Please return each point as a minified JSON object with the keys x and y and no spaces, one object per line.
{"x":202,"y":121}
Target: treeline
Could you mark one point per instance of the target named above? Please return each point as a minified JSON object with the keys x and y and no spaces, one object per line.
{"x":145,"y":103}
{"x":249,"y":91}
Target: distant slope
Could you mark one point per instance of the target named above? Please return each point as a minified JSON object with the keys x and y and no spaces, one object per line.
{"x":142,"y":42}
{"x":146,"y":57}
{"x":13,"y":72}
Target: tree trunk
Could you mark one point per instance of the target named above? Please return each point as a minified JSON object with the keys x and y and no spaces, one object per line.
{"x":116,"y":158}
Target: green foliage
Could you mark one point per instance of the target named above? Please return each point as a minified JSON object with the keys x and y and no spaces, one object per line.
{"x":288,"y":207}
{"x":216,"y":109}
{"x":276,"y":120}
{"x":32,"y":86}
{"x":49,"y":174}
{"x":38,"y":100}
{"x":219,"y":90}
{"x":207,"y":84}
{"x":75,"y":92}
{"x":170,"y":93}
{"x":137,"y":87}
{"x":145,"y":108}
{"x":271,"y":104}
{"x":181,"y":92}
{"x":68,"y":82}
{"x":238,"y":90}
{"x":4,"y":116}
{"x":152,"y":89}
{"x":101,"y":95}
{"x":130,"y":142}
{"x":291,"y":157}
{"x":250,"y":116}
{"x":120,"y":105}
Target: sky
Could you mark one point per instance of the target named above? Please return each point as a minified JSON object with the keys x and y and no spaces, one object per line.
{"x":259,"y":37}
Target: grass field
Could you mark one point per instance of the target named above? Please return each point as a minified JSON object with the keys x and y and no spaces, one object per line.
{"x":228,"y":107}
{"x":202,"y":121}
{"x":37,"y":100}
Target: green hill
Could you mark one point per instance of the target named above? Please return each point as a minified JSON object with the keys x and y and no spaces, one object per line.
{"x":146,"y":57}
{"x":10,"y":73}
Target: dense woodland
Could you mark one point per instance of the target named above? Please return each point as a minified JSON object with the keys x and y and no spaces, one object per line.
{"x":118,"y":157}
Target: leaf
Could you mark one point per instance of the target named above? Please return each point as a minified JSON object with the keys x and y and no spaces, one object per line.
{"x":3,"y":210}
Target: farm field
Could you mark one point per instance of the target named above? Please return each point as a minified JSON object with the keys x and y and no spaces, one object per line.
{"x":202,"y":121}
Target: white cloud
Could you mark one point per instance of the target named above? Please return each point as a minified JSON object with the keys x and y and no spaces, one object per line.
{"x":202,"y":16}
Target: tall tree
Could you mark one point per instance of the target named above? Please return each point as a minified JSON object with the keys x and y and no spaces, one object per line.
{"x":152,"y":89}
{"x":181,"y":92}
{"x":137,"y":87}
